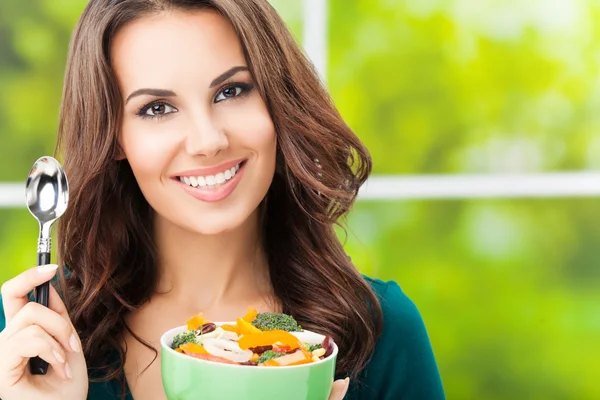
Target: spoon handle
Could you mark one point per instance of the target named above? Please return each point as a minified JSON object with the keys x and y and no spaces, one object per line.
{"x":37,"y":366}
{"x":42,"y":292}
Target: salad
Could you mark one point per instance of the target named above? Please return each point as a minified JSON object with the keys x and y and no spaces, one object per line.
{"x":257,"y":339}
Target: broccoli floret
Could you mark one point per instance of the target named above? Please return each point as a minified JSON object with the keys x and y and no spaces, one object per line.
{"x":313,"y":347}
{"x":269,"y":355}
{"x":183,"y":338}
{"x":269,"y":321}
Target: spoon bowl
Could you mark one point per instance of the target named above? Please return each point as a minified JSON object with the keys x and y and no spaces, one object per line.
{"x":47,"y":190}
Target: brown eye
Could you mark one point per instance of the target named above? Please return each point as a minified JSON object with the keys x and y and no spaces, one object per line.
{"x":229,"y":92}
{"x":156,"y":110}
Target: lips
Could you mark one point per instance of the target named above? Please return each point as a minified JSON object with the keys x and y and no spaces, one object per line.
{"x":206,"y":171}
{"x":212,"y":192}
{"x":210,"y":181}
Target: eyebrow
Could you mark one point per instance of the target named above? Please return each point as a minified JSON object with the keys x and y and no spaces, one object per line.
{"x":151,"y":92}
{"x":169,"y":93}
{"x":227,"y":74}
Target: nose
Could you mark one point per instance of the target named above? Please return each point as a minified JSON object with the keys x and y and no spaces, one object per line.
{"x":205,"y":137}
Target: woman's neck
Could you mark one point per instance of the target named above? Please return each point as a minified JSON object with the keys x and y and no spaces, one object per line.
{"x":205,"y":272}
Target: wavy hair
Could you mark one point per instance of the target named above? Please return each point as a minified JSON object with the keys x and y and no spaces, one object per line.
{"x":106,"y":235}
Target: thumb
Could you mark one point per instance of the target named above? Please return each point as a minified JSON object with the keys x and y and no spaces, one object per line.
{"x":339,"y":389}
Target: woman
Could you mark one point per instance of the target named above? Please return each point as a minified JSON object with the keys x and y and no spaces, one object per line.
{"x":207,"y":168}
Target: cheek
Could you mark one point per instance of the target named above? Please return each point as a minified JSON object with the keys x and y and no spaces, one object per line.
{"x":252,"y":128}
{"x":147,"y":148}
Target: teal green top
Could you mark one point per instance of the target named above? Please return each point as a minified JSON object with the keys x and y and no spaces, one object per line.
{"x":402,"y":367}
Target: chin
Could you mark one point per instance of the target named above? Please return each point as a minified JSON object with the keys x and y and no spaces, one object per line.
{"x":213,"y":229}
{"x":216,"y":223}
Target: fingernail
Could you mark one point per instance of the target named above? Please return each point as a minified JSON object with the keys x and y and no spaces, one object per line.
{"x":74,"y":344}
{"x":44,"y":269}
{"x":68,"y":371}
{"x":58,"y":357}
{"x":346,"y":385}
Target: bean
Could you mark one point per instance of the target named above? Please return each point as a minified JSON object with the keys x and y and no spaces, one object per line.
{"x":206,"y":328}
{"x":252,"y":363}
{"x":328,"y":346}
{"x":260,"y":349}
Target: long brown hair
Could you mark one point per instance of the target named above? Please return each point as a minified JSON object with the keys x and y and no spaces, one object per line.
{"x":106,"y":236}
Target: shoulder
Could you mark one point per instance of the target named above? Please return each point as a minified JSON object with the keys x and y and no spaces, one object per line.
{"x":403,"y":325}
{"x":388,"y":292}
{"x":403,"y":365}
{"x":2,"y":317}
{"x":399,"y":312}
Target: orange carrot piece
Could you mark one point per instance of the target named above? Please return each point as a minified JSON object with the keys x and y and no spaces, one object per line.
{"x":268,"y":338}
{"x":193,"y":348}
{"x":196,"y":322}
{"x":250,"y":315}
{"x":230,"y":328}
{"x":246,"y":328}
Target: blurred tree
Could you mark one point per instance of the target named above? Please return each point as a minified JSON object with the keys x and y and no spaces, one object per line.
{"x":508,"y":289}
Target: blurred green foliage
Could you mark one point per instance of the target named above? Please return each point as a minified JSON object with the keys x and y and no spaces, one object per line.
{"x":508,"y":288}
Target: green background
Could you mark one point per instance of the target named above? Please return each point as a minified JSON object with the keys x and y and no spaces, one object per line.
{"x":509,"y":289}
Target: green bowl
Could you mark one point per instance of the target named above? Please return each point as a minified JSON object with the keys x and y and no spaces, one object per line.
{"x":188,"y":378}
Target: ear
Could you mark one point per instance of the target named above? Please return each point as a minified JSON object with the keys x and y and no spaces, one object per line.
{"x":119,"y":153}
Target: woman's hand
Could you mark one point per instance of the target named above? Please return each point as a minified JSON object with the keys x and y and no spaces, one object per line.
{"x":34,"y":330}
{"x":339,"y":389}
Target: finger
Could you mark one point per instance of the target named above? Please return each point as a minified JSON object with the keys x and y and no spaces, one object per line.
{"x":34,"y":341}
{"x":48,"y":320}
{"x":15,"y":291}
{"x":339,"y":389}
{"x":56,"y":304}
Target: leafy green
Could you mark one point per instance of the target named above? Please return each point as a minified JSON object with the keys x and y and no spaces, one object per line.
{"x":269,"y":355}
{"x":269,"y":321}
{"x":183,"y":338}
{"x":313,"y":347}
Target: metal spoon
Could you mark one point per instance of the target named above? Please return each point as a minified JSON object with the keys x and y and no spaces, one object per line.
{"x":47,"y":195}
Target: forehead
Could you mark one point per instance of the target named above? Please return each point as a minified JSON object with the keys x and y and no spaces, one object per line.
{"x":175,"y":46}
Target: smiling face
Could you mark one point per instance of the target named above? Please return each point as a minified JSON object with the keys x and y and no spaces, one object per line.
{"x":198,"y":136}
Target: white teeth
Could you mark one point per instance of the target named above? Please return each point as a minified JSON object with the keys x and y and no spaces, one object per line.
{"x":210,"y":181}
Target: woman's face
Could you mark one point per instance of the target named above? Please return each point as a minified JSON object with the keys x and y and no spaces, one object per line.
{"x":196,"y":133}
